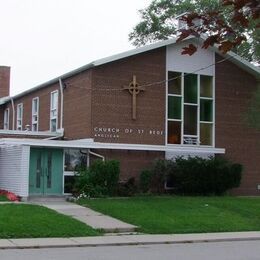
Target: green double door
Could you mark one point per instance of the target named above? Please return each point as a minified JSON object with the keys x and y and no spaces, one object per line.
{"x":46,"y":171}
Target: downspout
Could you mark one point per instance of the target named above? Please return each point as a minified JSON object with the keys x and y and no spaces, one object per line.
{"x":12,"y":102}
{"x":61,"y":103}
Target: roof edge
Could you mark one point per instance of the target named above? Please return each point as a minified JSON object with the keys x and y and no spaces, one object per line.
{"x":250,"y":68}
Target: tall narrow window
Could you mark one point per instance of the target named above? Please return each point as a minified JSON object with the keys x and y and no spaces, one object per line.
{"x":190,"y":109}
{"x":6,"y":119}
{"x":35,"y":114}
{"x":54,"y":111}
{"x":19,"y":119}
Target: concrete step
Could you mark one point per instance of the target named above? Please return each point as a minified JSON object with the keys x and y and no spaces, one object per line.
{"x":38,"y":199}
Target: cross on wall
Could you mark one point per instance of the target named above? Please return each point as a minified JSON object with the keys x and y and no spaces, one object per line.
{"x":134,"y":89}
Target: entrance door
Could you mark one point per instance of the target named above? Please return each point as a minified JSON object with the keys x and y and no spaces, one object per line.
{"x":46,"y":171}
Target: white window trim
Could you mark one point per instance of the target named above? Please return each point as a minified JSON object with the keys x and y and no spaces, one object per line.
{"x":19,"y":126}
{"x":198,"y":112}
{"x":6,"y":118}
{"x":35,"y":114}
{"x":57,"y":109}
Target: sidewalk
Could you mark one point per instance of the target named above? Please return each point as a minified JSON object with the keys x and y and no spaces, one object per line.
{"x":88,"y":216}
{"x":126,"y":240}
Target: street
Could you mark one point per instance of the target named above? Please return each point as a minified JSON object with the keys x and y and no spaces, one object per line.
{"x":239,"y":250}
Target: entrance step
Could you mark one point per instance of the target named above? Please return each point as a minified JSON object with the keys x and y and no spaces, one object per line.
{"x":46,"y":199}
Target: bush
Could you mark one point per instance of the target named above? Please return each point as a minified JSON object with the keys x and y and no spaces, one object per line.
{"x":198,"y":176}
{"x":127,"y":188}
{"x":99,"y":180}
{"x":160,"y":172}
{"x":145,"y":181}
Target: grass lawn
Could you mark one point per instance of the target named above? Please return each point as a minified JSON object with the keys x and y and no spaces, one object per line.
{"x":24,"y":221}
{"x":166,"y":215}
{"x":3,"y":198}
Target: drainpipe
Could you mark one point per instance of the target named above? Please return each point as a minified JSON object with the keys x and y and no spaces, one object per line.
{"x":61,"y":103}
{"x":12,"y":102}
{"x":97,"y":155}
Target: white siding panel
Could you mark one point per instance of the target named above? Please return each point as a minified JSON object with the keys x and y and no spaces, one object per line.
{"x":175,"y":61}
{"x":14,"y":169}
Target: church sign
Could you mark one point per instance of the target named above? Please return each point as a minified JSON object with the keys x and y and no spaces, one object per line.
{"x":114,"y":132}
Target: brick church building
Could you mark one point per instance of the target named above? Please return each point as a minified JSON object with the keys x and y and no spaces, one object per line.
{"x":147,"y":103}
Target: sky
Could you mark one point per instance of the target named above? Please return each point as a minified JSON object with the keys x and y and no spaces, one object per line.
{"x":43,"y":39}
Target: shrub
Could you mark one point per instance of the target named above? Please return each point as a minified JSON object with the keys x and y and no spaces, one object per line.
{"x":198,"y":176}
{"x":127,"y":188}
{"x":99,"y":180}
{"x":145,"y":180}
{"x":160,"y":171}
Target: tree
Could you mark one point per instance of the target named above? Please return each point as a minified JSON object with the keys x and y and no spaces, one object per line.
{"x":232,"y":24}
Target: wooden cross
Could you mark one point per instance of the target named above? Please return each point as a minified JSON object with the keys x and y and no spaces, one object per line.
{"x":134,"y":89}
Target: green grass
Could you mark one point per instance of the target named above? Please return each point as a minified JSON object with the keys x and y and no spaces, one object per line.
{"x":25,"y":221}
{"x":166,"y":215}
{"x":3,"y":198}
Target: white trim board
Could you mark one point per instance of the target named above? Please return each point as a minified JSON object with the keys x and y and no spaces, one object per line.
{"x":90,"y":144}
{"x":31,"y":133}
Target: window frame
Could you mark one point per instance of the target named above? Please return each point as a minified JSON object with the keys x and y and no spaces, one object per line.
{"x":35,"y":122}
{"x":199,"y":121}
{"x":54,"y":109}
{"x":6,"y":119}
{"x":19,"y":120}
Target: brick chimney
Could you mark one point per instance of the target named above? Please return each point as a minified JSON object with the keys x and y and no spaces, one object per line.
{"x":4,"y":81}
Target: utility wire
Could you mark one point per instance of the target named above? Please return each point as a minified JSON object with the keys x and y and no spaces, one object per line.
{"x":157,"y":82}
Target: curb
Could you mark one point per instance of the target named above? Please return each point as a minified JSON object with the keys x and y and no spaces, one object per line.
{"x":126,"y":240}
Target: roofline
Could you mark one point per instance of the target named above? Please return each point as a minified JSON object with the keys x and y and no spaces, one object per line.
{"x":250,"y":68}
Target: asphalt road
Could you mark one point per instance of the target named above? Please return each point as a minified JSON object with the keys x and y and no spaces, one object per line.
{"x":242,"y":250}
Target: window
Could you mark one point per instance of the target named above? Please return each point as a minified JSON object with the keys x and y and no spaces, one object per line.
{"x":73,"y":160}
{"x":190,"y":109}
{"x":54,"y":111}
{"x":6,"y":119}
{"x":35,"y":114}
{"x":19,"y":119}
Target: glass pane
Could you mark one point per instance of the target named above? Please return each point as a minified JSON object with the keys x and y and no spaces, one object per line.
{"x":205,"y":134}
{"x":68,"y":184}
{"x":54,"y":100}
{"x":190,"y":120}
{"x":174,"y":107}
{"x":38,"y":170}
{"x":35,"y":106}
{"x":53,"y":125}
{"x":34,"y":127}
{"x":174,"y":82}
{"x":19,"y":112}
{"x":190,"y":88}
{"x":49,"y":170}
{"x":74,"y":158}
{"x":174,"y":132}
{"x":206,"y":86}
{"x":206,"y":110}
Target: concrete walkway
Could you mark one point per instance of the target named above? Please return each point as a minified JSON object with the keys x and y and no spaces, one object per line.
{"x":88,"y":216}
{"x":124,"y":240}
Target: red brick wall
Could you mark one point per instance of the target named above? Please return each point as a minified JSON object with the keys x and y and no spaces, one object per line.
{"x":77,"y":106}
{"x":234,"y":90}
{"x":44,"y":107}
{"x":112,"y":106}
{"x":4,"y":81}
{"x":76,"y":111}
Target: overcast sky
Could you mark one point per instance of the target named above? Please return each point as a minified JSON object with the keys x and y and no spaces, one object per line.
{"x":42,"y":39}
